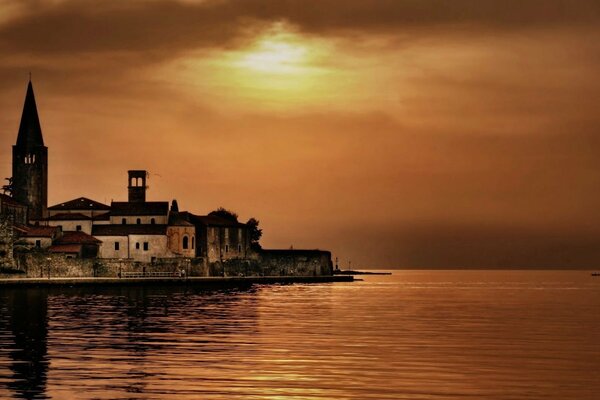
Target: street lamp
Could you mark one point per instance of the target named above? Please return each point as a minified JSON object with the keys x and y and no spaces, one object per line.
{"x":48,"y":264}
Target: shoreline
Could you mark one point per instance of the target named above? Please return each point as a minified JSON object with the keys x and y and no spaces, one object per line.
{"x":189,"y":281}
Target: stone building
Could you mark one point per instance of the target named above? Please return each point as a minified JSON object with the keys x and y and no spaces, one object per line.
{"x":76,"y":244}
{"x":220,"y":239}
{"x":40,"y":237}
{"x":133,"y":231}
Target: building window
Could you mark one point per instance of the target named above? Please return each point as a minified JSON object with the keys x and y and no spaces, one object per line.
{"x":152,"y":221}
{"x":138,"y":221}
{"x":38,"y":243}
{"x":185,"y":242}
{"x":145,"y":246}
{"x":193,"y":242}
{"x":124,"y":221}
{"x":116,"y":245}
{"x":226,"y":248}
{"x":78,"y":228}
{"x":137,"y":246}
{"x":239,"y":248}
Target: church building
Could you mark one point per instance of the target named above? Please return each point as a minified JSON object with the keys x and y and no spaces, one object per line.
{"x":134,"y":230}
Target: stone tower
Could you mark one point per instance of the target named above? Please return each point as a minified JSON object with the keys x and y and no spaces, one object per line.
{"x":137,"y":186}
{"x":30,"y":161}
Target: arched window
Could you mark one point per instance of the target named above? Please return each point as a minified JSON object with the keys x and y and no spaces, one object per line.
{"x":124,"y":221}
{"x":152,"y":221}
{"x":185,"y":242}
{"x":138,"y":221}
{"x":193,"y":241}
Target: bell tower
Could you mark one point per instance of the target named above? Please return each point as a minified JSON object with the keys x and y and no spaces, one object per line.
{"x":30,"y":161}
{"x":137,"y":186}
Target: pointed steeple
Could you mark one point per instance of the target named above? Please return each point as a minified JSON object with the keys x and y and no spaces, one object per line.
{"x":30,"y":131}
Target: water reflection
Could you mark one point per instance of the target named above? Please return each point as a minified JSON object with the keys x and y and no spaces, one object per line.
{"x":414,"y":335}
{"x":25,"y":315}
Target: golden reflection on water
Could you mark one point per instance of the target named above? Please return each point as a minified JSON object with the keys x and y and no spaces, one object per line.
{"x":413,"y":335}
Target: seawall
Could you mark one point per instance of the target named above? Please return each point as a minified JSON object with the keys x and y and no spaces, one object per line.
{"x":217,"y":282}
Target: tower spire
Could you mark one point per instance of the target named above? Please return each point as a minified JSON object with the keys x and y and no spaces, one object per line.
{"x":30,"y":162}
{"x":30,"y":131}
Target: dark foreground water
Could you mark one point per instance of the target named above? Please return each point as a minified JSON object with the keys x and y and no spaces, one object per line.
{"x":413,"y":335}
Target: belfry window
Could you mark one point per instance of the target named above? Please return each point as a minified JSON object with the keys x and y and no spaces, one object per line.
{"x":185,"y":242}
{"x":29,"y":159}
{"x":193,"y":241}
{"x":138,"y":221}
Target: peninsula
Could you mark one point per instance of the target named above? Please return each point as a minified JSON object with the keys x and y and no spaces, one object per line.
{"x":133,"y":239}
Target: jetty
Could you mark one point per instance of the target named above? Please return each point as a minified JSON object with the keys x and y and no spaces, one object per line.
{"x":208,"y":282}
{"x":340,"y":272}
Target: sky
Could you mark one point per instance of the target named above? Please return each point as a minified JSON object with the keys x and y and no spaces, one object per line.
{"x":394,"y":133}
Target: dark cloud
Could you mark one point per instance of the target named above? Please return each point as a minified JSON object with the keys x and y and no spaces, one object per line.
{"x":169,"y":26}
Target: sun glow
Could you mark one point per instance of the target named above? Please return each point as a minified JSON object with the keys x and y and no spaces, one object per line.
{"x":279,"y":69}
{"x":275,"y":56}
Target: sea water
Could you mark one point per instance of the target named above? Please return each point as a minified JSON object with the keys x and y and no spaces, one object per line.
{"x":411,"y":335}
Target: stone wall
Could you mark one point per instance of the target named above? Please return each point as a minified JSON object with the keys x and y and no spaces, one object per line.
{"x":40,"y":264}
{"x":276,"y":263}
{"x":6,"y":243}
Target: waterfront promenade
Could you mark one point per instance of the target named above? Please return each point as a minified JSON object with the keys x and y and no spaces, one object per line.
{"x":192,"y":281}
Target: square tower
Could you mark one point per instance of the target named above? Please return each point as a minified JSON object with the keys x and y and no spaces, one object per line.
{"x":137,"y":186}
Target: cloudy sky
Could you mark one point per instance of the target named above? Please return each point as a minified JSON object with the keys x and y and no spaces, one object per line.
{"x":414,"y":133}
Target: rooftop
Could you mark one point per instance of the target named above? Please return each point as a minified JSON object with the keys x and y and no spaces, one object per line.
{"x":81,"y":203}
{"x":64,"y":248}
{"x":76,"y":237}
{"x":68,"y":217}
{"x":41,"y":231}
{"x":210,"y":220}
{"x":126,"y":208}
{"x":9,"y":200}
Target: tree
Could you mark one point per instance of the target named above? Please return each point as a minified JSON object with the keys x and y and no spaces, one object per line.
{"x":224,"y":213}
{"x":255,"y":233}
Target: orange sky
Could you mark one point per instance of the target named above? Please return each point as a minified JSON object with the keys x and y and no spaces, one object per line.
{"x":392,"y":132}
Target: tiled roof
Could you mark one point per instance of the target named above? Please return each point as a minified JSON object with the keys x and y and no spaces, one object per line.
{"x":41,"y":231}
{"x":65,"y":248}
{"x":21,"y":229}
{"x":102,"y":217}
{"x":210,"y":220}
{"x":9,"y":200}
{"x":176,"y":219}
{"x":124,"y":230}
{"x":76,"y":237}
{"x":82,"y":203}
{"x":125,"y":208}
{"x":68,"y":217}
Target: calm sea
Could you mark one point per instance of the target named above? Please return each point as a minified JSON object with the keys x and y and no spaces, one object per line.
{"x":412,"y":335}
